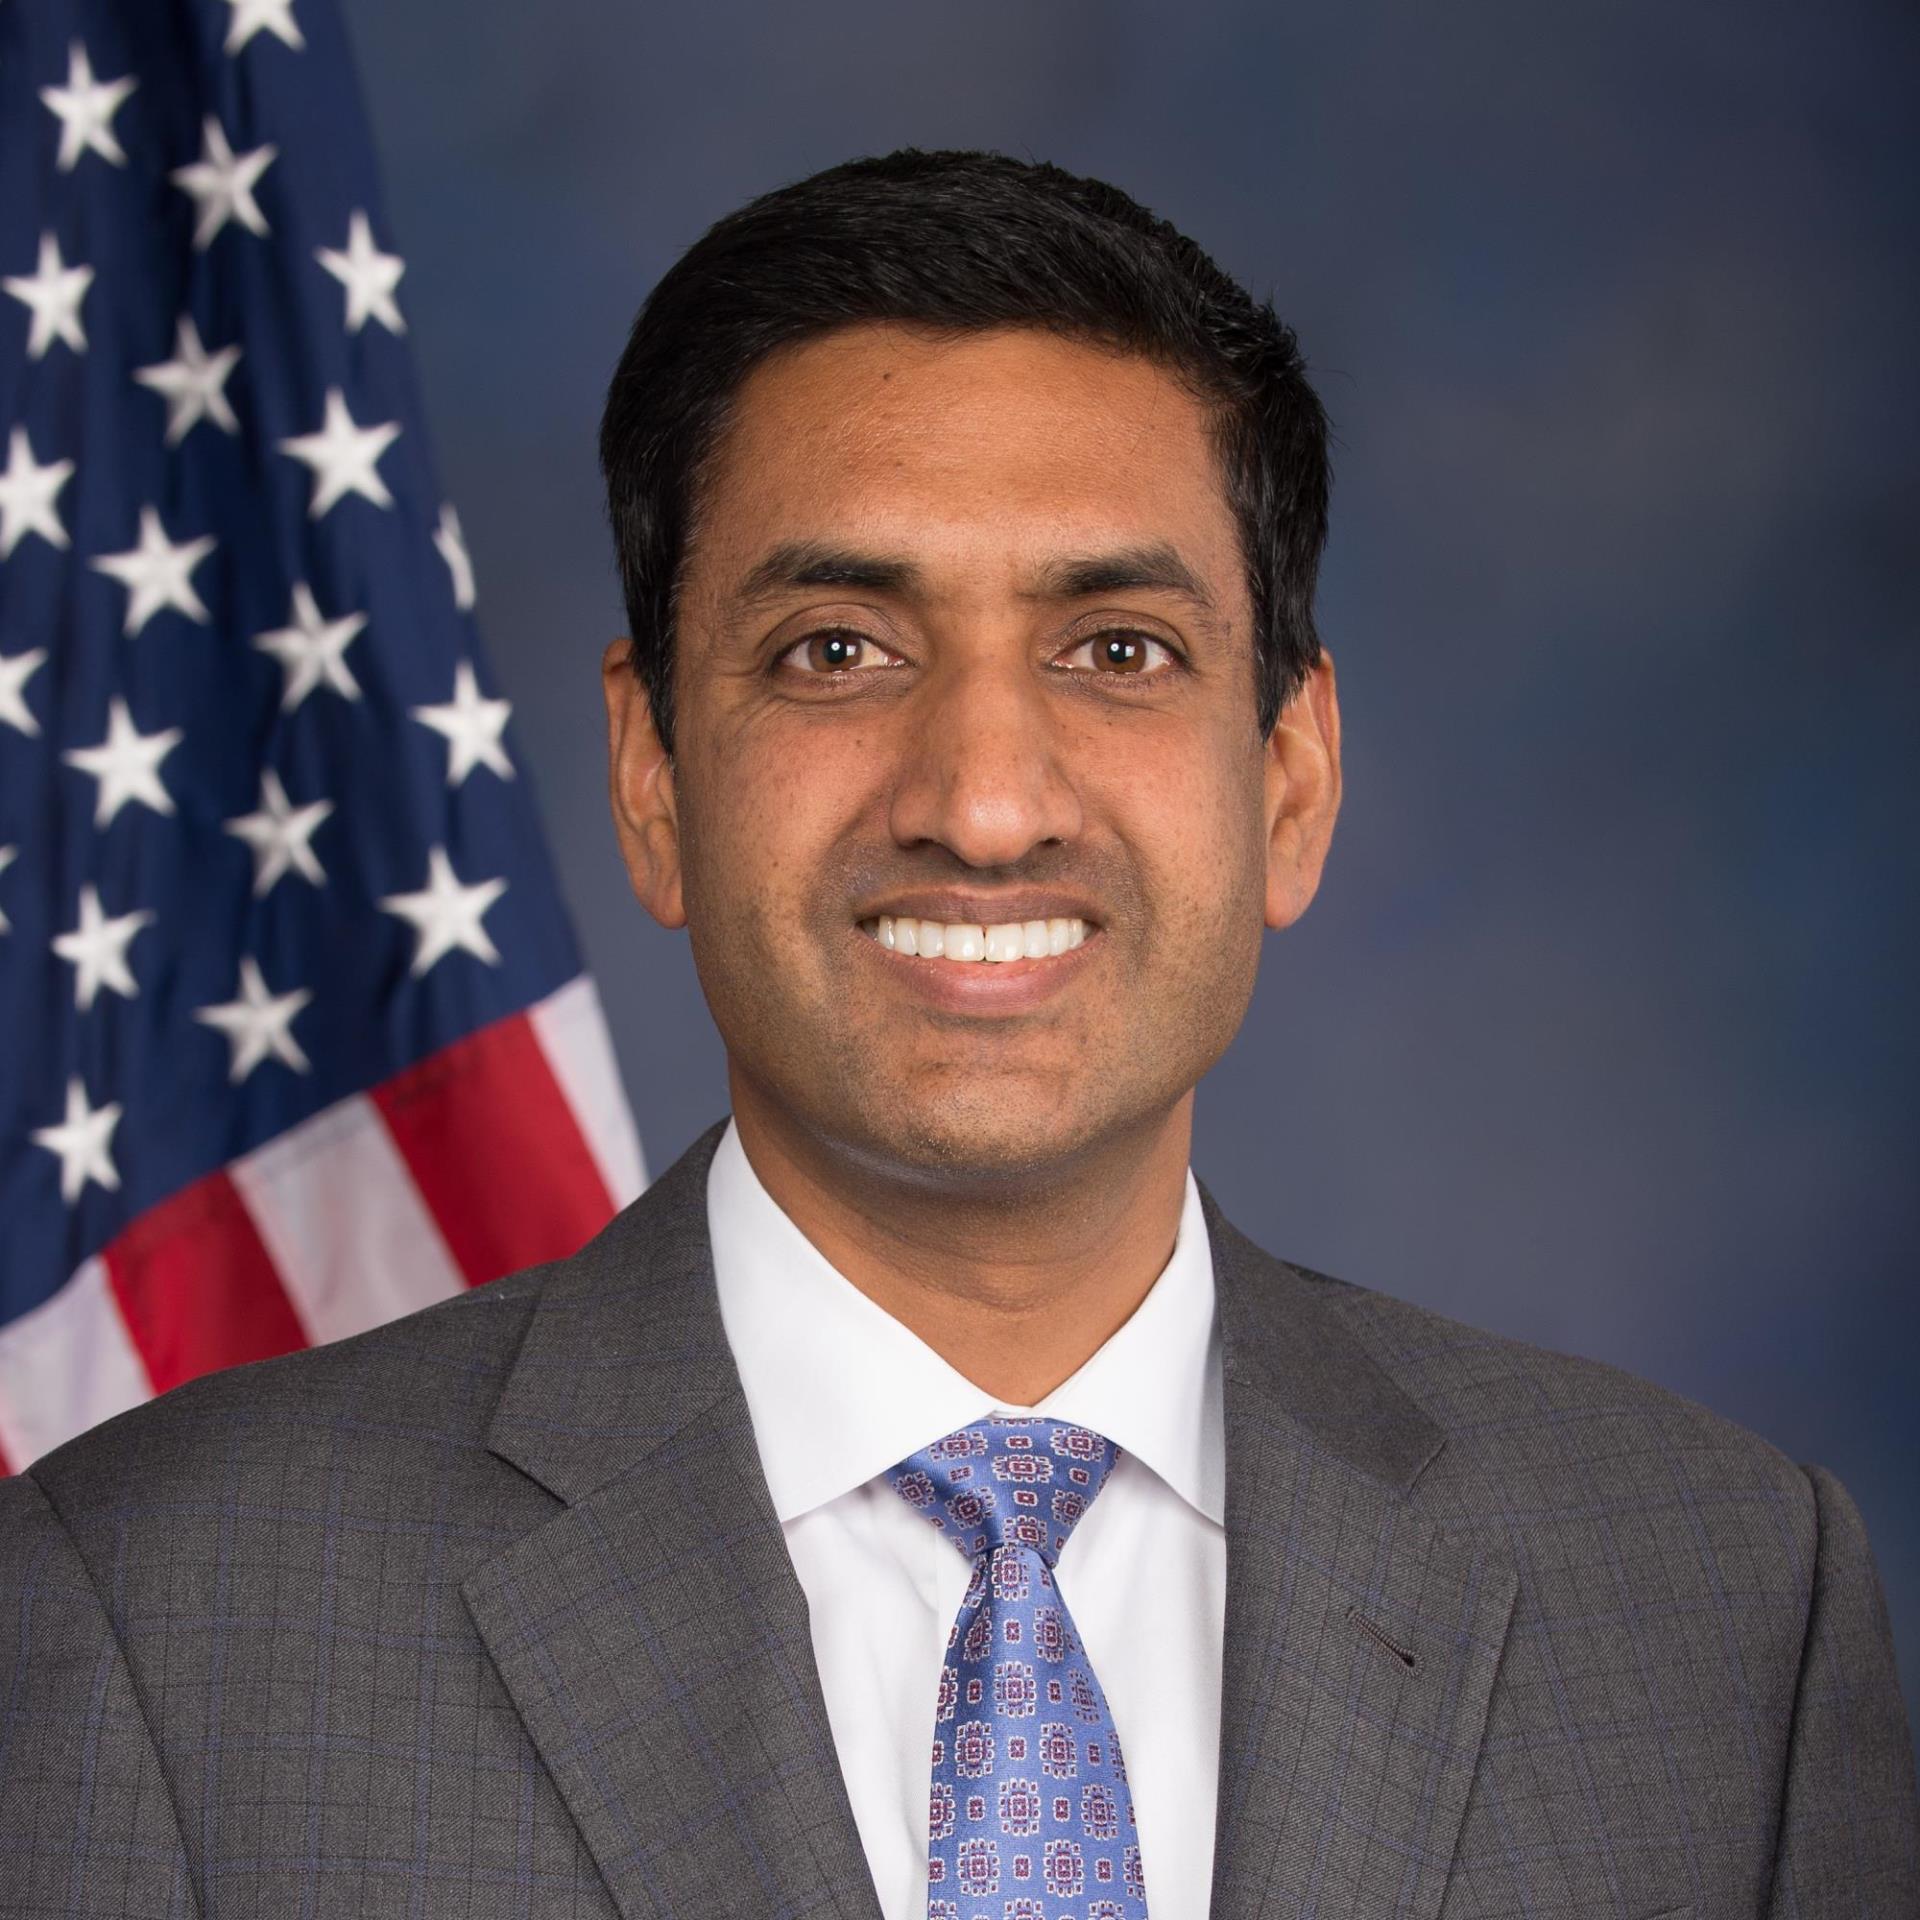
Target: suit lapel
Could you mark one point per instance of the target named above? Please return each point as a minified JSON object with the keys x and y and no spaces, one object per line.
{"x":654,"y":1639}
{"x":652,"y":1634}
{"x":1361,"y":1643}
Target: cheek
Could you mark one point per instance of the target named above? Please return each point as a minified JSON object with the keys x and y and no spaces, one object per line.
{"x":1214,"y":948}
{"x":759,"y":819}
{"x":1196,"y":822}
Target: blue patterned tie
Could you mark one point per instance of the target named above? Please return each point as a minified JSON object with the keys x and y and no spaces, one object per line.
{"x":1030,"y":1817}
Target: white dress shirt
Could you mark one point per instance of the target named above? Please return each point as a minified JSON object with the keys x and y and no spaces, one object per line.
{"x":839,"y":1390}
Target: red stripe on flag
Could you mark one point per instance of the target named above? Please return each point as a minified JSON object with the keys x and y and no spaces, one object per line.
{"x":496,"y":1151}
{"x":196,"y":1287}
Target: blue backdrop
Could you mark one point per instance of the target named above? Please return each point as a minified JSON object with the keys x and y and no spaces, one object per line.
{"x":1602,"y":1032}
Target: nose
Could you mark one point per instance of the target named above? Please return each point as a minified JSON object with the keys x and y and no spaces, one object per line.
{"x":981,"y":772}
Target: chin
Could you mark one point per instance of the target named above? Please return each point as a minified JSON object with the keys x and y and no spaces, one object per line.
{"x":988,"y":1138}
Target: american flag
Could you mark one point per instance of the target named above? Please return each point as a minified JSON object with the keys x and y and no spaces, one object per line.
{"x":294,"y":1035}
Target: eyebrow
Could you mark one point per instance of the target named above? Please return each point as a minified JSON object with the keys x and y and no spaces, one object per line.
{"x":1152,"y":566}
{"x":810,"y":563}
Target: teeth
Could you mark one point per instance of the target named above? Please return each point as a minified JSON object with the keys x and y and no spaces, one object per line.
{"x":1012,"y":940}
{"x":1007,"y":943}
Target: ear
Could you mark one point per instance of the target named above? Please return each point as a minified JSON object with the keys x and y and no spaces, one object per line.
{"x":1303,"y":793}
{"x":640,"y":780}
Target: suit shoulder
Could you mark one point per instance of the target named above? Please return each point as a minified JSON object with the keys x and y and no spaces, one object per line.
{"x":1530,"y":1417}
{"x":429,"y":1378}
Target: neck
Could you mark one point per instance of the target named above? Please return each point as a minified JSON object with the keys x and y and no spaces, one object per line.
{"x":1014,"y":1284}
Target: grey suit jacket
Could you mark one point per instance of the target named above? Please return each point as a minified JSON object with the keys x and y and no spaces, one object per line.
{"x":486,"y":1613}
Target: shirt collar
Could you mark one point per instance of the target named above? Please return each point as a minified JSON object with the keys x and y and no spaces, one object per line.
{"x":839,"y":1390}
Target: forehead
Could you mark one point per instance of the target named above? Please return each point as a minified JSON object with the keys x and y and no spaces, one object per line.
{"x":1012,"y":442}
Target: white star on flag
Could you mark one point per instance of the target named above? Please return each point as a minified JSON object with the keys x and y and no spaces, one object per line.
{"x":222,"y":184}
{"x":281,"y":835}
{"x":16,"y":669}
{"x":27,"y":495}
{"x":256,"y":16}
{"x":98,"y":949}
{"x":368,"y":275}
{"x":343,"y":456}
{"x":52,"y":293}
{"x":446,"y":914}
{"x":157,"y":574}
{"x":85,"y":108}
{"x":452,"y":546}
{"x":126,"y":764}
{"x":313,"y":650}
{"x":8,"y":855}
{"x":83,"y":1141}
{"x":193,"y":383}
{"x":258,"y":1024}
{"x":472,"y":727}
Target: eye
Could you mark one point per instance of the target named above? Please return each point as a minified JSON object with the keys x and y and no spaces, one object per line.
{"x":836,"y":650}
{"x":1121,"y":651}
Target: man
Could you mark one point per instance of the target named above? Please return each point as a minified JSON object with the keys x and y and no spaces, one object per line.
{"x":925,"y":1443}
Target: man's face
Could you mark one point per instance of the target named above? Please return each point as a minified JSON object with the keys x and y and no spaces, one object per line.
{"x":965,"y":643}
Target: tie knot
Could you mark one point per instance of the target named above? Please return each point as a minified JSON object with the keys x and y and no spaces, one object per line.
{"x":1007,"y":1483}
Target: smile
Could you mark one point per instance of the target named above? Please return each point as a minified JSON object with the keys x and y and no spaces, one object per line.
{"x":967,"y":942}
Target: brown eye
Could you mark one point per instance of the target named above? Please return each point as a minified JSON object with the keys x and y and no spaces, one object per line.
{"x":836,"y":651}
{"x":1121,"y":653}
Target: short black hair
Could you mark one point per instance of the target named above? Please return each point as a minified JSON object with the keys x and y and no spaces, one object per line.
{"x":961,"y":242}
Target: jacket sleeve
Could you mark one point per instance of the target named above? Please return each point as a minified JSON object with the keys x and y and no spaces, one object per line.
{"x":1849,"y":1838}
{"x":87,"y":1826}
